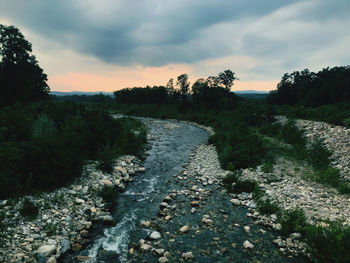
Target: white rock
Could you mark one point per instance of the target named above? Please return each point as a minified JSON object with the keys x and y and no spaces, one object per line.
{"x":247,"y":229}
{"x":187,"y":255}
{"x":235,"y":201}
{"x":47,"y":250}
{"x":155,"y":235}
{"x":248,"y":245}
{"x":184,"y":229}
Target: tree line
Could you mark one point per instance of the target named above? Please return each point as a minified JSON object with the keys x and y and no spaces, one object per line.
{"x":211,"y":92}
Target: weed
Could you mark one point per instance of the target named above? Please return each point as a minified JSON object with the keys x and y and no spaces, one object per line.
{"x":267,"y":207}
{"x":230,"y":179}
{"x":29,"y":209}
{"x":331,"y":244}
{"x":109,"y":194}
{"x":292,"y":221}
{"x":267,"y":167}
{"x":247,"y":186}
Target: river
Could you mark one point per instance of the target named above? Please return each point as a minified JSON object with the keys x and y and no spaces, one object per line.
{"x":170,"y":147}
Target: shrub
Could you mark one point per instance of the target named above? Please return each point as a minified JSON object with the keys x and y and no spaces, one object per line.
{"x":329,"y":176}
{"x":247,"y":186}
{"x":331,"y":244}
{"x":267,"y":167}
{"x":230,"y":179}
{"x":293,"y":221}
{"x":109,"y":194}
{"x":265,"y":206}
{"x":43,"y":128}
{"x":105,"y":159}
{"x":29,"y":209}
{"x":318,"y":155}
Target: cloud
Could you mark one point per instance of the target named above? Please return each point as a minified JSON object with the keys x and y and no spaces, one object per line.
{"x":151,"y":33}
{"x":260,"y":40}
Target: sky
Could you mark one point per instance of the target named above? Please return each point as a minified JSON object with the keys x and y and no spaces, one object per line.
{"x":106,"y":45}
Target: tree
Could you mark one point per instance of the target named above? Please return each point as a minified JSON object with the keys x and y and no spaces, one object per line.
{"x":183,"y":84}
{"x":226,"y":79}
{"x":170,"y":86}
{"x":21,"y":78}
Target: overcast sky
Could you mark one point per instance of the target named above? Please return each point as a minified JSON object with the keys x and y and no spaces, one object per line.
{"x":105,"y":45}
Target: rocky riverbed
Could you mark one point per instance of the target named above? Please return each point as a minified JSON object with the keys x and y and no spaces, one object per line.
{"x":65,"y":216}
{"x":177,"y":210}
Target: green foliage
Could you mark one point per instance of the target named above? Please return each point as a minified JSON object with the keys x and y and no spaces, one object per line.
{"x":346,"y":122}
{"x":21,"y":78}
{"x":331,"y":244}
{"x":318,"y":155}
{"x":105,"y":159}
{"x":44,"y":128}
{"x":330,"y":85}
{"x":109,"y":194}
{"x":29,"y":209}
{"x":267,"y":167}
{"x":293,"y":221}
{"x":267,"y":207}
{"x":247,"y":186}
{"x":230,"y":179}
{"x":230,"y":167}
{"x":45,"y":145}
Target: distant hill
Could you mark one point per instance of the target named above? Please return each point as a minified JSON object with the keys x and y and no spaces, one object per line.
{"x":80,"y":93}
{"x":251,"y":92}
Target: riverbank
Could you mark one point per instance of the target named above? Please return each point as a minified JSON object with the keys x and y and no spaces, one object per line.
{"x":64,"y":216}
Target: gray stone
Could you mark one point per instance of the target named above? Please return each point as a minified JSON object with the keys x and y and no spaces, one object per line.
{"x":155,"y":235}
{"x":47,"y":250}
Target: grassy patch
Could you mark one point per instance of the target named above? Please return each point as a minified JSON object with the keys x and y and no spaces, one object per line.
{"x":292,"y":221}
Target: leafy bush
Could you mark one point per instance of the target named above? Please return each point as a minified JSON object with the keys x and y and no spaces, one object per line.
{"x":247,"y":186}
{"x":331,"y":244}
{"x":29,"y":209}
{"x":109,"y":194}
{"x":267,"y":167}
{"x":230,"y":179}
{"x":105,"y":159}
{"x":293,"y":221}
{"x":265,"y":206}
{"x":44,"y":128}
{"x":319,"y":156}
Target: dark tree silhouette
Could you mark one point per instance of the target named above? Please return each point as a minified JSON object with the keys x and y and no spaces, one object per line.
{"x":21,"y":78}
{"x":226,"y":79}
{"x":183,"y":84}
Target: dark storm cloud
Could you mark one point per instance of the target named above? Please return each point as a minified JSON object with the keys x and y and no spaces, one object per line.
{"x":154,"y":32}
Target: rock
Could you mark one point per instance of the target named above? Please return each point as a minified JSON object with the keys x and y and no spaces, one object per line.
{"x":65,"y":245}
{"x":40,"y":258}
{"x":47,"y":250}
{"x":107,"y":220}
{"x":160,"y":251}
{"x":145,"y":247}
{"x":155,"y":235}
{"x":235,"y":201}
{"x":248,"y":245}
{"x":106,"y":182}
{"x":82,"y":258}
{"x":162,"y":260}
{"x":131,"y":251}
{"x":167,"y":218}
{"x":51,"y":260}
{"x":187,"y":255}
{"x":184,"y":229}
{"x":194,"y":203}
{"x":247,"y":229}
{"x":85,"y":189}
{"x":193,"y":210}
{"x":163,"y":205}
{"x":79,"y":201}
{"x":167,"y":199}
{"x":277,"y":226}
{"x":146,"y":224}
{"x":295,"y":236}
{"x":76,"y":247}
{"x":77,"y":188}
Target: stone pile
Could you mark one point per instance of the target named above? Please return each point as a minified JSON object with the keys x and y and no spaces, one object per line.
{"x":65,"y":215}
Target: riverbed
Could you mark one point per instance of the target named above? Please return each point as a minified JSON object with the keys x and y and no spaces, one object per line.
{"x":171,"y":194}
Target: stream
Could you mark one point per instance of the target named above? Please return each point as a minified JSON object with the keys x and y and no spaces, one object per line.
{"x":171,"y":144}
